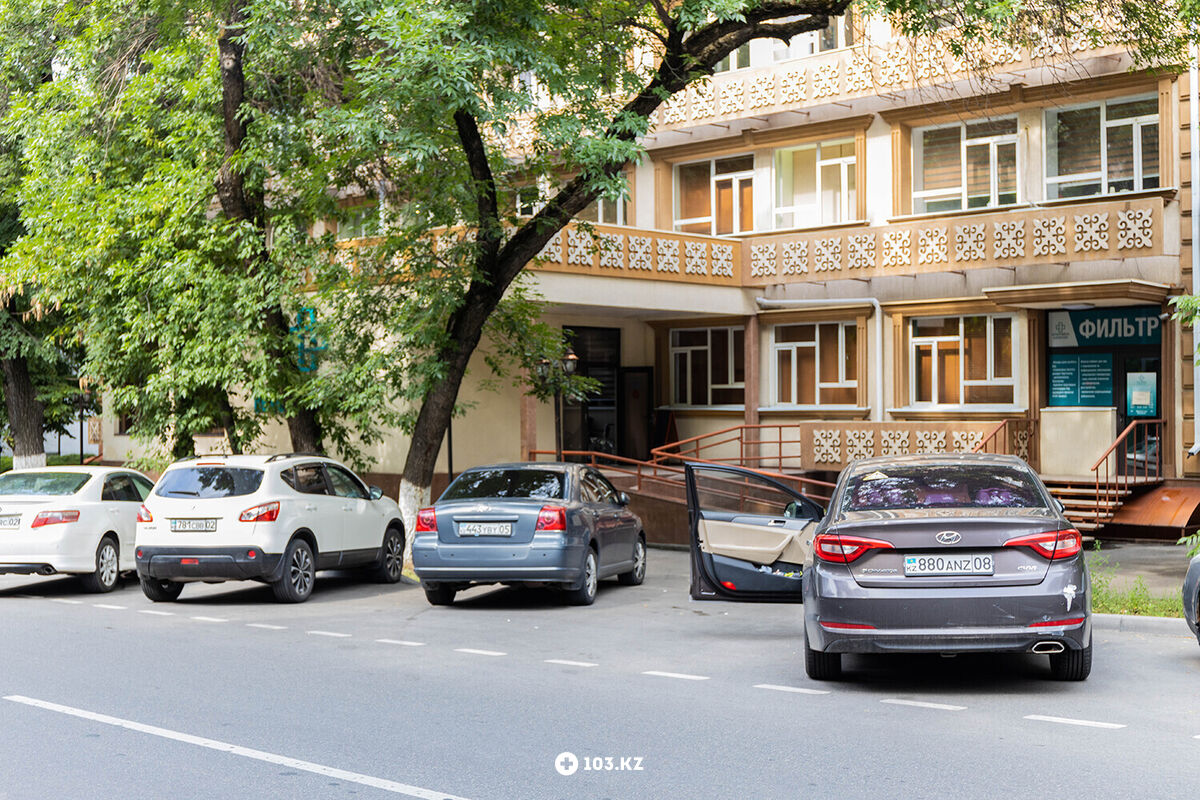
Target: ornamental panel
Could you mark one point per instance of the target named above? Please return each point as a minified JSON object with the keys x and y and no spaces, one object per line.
{"x":861,"y":251}
{"x":969,"y":242}
{"x":580,"y":249}
{"x":827,"y":254}
{"x":860,"y":443}
{"x":1135,"y":229}
{"x":612,"y":249}
{"x":762,"y":260}
{"x":897,"y":248}
{"x":640,"y":254}
{"x":695,"y":257}
{"x":795,"y":257}
{"x":931,"y":246}
{"x":1091,"y":232}
{"x":894,"y":443}
{"x":827,"y":446}
{"x":1009,"y":241}
{"x":1049,"y":236}
{"x":722,"y":260}
{"x":668,"y":255}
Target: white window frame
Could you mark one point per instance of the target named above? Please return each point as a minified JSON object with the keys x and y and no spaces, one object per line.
{"x":843,"y":381}
{"x":844,"y":163}
{"x":936,"y":341}
{"x":356,"y":217}
{"x":602,"y":203}
{"x":1102,"y":177}
{"x":713,"y":177}
{"x":727,"y":64}
{"x":687,"y":351}
{"x":993,"y":143}
{"x":781,"y":52}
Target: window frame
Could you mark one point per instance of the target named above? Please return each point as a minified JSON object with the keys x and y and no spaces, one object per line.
{"x":1102,"y":176}
{"x":673,"y":350}
{"x":846,"y":213}
{"x":993,"y":141}
{"x":915,"y":341}
{"x":355,"y":226}
{"x":842,"y":24}
{"x":843,"y":382}
{"x":713,"y":176}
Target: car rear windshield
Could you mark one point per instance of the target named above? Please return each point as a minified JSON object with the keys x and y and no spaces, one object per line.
{"x":540,"y":484}
{"x":890,"y":488}
{"x":43,"y":483}
{"x":209,"y":482}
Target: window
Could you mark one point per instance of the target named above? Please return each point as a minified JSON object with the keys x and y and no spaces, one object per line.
{"x":837,"y":34}
{"x":716,"y":196}
{"x":209,"y":482}
{"x":598,"y":490}
{"x":708,"y":366}
{"x":815,"y":184}
{"x":965,"y":165}
{"x":1102,"y":148}
{"x":962,"y":361}
{"x":738,"y":59}
{"x":539,"y":484}
{"x":816,"y":364}
{"x":344,"y":484}
{"x":359,"y":222}
{"x":309,"y":479}
{"x":605,"y":211}
{"x":120,"y":488}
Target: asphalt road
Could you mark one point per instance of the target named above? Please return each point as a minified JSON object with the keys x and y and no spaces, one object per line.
{"x":366,"y":691}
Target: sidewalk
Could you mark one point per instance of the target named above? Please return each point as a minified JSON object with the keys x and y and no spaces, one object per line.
{"x":1161,"y":566}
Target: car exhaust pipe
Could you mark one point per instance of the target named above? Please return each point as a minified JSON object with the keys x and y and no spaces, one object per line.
{"x":1048,"y":647}
{"x":46,"y":570}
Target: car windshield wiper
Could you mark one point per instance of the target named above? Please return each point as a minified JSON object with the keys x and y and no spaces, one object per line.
{"x":183,"y":491}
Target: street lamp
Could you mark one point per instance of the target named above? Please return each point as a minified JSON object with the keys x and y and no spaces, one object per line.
{"x":548,"y":371}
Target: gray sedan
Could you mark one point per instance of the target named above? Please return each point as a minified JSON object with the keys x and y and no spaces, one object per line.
{"x":926,"y":553}
{"x":528,"y":524}
{"x":1191,"y":596}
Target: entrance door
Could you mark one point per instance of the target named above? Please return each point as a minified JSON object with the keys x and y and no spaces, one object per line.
{"x":635,"y":412}
{"x":592,"y":423}
{"x":750,"y":535}
{"x":1138,"y":385}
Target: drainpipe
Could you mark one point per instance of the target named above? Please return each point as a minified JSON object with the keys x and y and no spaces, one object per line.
{"x":877,"y":409}
{"x":1194,"y":132}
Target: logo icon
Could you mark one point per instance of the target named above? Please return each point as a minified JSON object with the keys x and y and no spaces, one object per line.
{"x":949,"y":537}
{"x":566,"y":764}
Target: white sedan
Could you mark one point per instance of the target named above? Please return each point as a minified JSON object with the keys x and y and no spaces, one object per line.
{"x":77,"y":520}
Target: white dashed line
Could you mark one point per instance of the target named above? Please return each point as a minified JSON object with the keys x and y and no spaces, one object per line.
{"x":264,"y":626}
{"x":680,"y":675}
{"x":329,"y":633}
{"x":400,"y":642}
{"x":795,"y":689}
{"x":109,"y":605}
{"x":244,"y":752}
{"x":1087,"y":723}
{"x":209,"y":619}
{"x":156,"y":613}
{"x":922,"y":704}
{"x":567,"y":663}
{"x":479,"y":652}
{"x":65,"y":600}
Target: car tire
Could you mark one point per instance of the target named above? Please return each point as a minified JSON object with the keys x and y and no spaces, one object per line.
{"x":108,"y":567}
{"x":636,"y":575}
{"x":585,"y":593}
{"x":391,"y":558}
{"x":440,"y":594}
{"x":1072,"y":665}
{"x":299,"y":573}
{"x":160,"y":591}
{"x":821,"y":666}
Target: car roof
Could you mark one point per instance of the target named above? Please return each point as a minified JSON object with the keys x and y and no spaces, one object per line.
{"x":88,"y":469}
{"x":936,"y":460}
{"x":553,"y":466}
{"x":249,"y":460}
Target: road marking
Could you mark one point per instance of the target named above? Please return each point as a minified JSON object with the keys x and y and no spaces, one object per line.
{"x":922,"y":704}
{"x":479,"y":652}
{"x":210,"y":619}
{"x":109,"y":605}
{"x":400,"y":641}
{"x":680,"y":675}
{"x":266,"y":627}
{"x":328,"y":633}
{"x":796,"y":689}
{"x":1087,"y":723}
{"x":156,"y":613}
{"x":567,"y":663}
{"x":65,"y":600}
{"x":237,"y":750}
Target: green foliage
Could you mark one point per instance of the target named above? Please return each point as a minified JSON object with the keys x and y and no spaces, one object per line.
{"x":1137,"y":599}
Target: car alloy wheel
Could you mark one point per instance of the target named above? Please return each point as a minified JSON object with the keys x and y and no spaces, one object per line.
{"x":300,"y":571}
{"x":393,"y":557}
{"x":104,"y":579}
{"x":296,"y":583}
{"x":585,"y":593}
{"x":636,"y":575}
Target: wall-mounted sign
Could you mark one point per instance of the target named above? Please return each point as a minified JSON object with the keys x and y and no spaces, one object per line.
{"x":1141,"y":394}
{"x":1104,"y":326}
{"x":1084,"y":379}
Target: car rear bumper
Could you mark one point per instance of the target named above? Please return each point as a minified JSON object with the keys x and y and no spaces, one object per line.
{"x":207,"y":563}
{"x":546,"y":559}
{"x":945,"y":620}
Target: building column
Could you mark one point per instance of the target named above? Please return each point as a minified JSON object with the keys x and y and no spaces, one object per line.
{"x":528,"y":413}
{"x":752,"y":382}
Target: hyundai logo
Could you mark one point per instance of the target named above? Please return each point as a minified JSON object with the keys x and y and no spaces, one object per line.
{"x":949,"y":537}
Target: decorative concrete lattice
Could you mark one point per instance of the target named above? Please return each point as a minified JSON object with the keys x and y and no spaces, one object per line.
{"x":731,"y":97}
{"x":1135,"y":229}
{"x":967,"y":441}
{"x":552,"y":252}
{"x":722,"y":260}
{"x":762,"y":90}
{"x":668,"y":255}
{"x":931,"y":246}
{"x":695,"y":258}
{"x":894,"y":66}
{"x":895,"y":442}
{"x":827,"y":254}
{"x":861,"y":251}
{"x":827,"y":445}
{"x":825,"y":80}
{"x":931,"y":441}
{"x":1009,"y":241}
{"x":970,"y":242}
{"x":1022,"y":444}
{"x":675,"y":112}
{"x":795,"y":257}
{"x":897,"y":248}
{"x":641,"y":252}
{"x":1049,"y":236}
{"x":580,"y":248}
{"x":860,"y":443}
{"x":762,"y":260}
{"x":612,"y":250}
{"x":1091,"y":232}
{"x":858,"y":73}
{"x":702,"y":100}
{"x":793,"y":86}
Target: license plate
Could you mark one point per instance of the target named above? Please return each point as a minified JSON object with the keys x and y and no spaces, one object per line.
{"x":957,"y":564}
{"x":485,"y":529}
{"x":201,"y":525}
{"x":10,"y":522}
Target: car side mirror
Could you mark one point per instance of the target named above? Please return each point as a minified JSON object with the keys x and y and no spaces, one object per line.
{"x":1062,"y":509}
{"x":796,"y":510}
{"x":623,"y":498}
{"x":376,"y":493}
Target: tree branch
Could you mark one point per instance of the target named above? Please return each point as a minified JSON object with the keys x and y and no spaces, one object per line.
{"x":486,"y":206}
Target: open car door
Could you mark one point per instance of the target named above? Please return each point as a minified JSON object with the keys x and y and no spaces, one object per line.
{"x":750,"y":535}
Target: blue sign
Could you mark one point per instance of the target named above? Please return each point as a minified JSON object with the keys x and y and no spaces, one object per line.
{"x":1084,"y":379}
{"x":1105,"y":326}
{"x":1141,"y":394}
{"x":308,"y":344}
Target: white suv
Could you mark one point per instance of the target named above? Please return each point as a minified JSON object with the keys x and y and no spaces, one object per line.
{"x":276,"y":519}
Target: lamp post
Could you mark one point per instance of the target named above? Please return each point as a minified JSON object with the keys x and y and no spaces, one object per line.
{"x":549,"y":371}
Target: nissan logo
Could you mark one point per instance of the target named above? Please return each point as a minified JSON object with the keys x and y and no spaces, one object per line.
{"x":949,"y":537}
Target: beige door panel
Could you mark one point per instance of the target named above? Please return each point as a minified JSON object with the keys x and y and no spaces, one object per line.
{"x":757,"y":544}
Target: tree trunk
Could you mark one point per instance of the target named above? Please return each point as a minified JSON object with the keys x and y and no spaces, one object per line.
{"x":26,"y":414}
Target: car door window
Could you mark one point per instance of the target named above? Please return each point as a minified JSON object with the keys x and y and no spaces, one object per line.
{"x":593,"y":492}
{"x":309,"y":479}
{"x":119,"y":488}
{"x":608,"y":492}
{"x":143,"y":486}
{"x":344,"y":484}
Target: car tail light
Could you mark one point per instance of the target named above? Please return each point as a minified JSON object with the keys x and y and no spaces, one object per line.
{"x":144,"y":515}
{"x":842,"y":549}
{"x":54,"y":518}
{"x":552,"y":518}
{"x":426,"y":521}
{"x":267,"y":512}
{"x":847,"y":626}
{"x":1057,"y":623}
{"x":1051,"y":544}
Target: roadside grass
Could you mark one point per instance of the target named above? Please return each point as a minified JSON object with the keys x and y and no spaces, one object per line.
{"x":1135,"y":600}
{"x":51,"y":461}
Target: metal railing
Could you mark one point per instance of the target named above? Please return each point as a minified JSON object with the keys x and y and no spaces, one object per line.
{"x":1012,"y":437}
{"x":1134,"y":458}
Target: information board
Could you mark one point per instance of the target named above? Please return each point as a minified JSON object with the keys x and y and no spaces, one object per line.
{"x":1141,"y":394}
{"x":1081,"y":379}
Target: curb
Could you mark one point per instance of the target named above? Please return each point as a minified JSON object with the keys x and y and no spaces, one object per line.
{"x":1163,"y":626}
